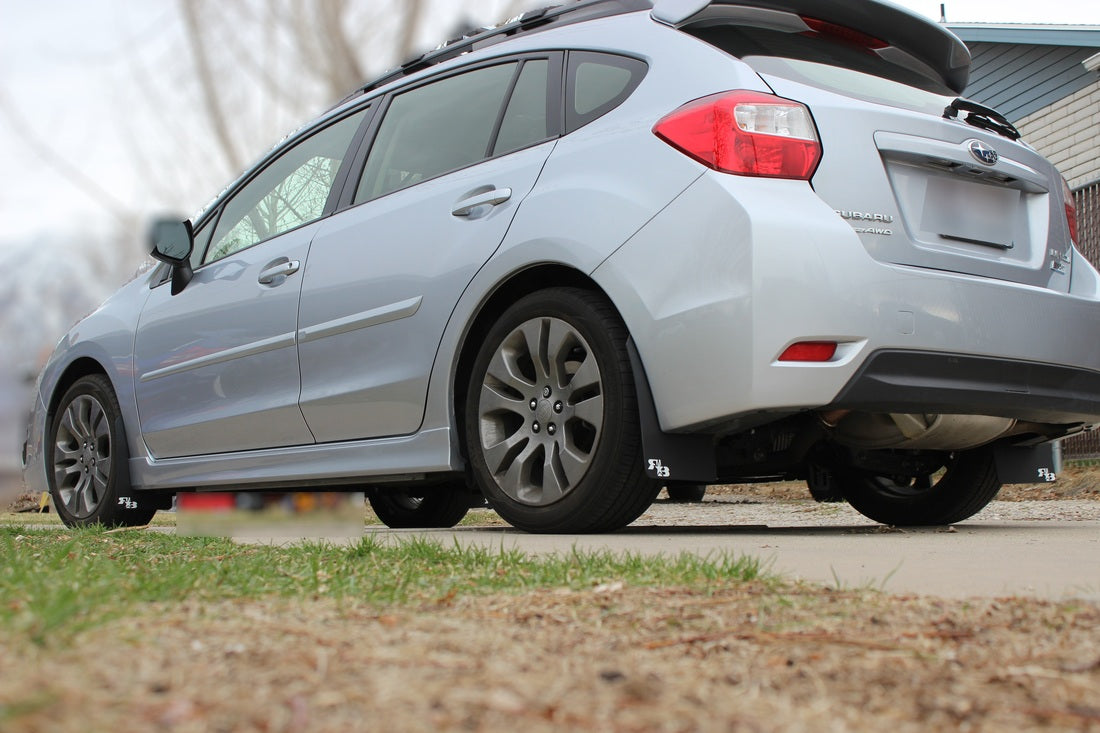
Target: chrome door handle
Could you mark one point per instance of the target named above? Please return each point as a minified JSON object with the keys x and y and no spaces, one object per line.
{"x":279,"y":269}
{"x":491,"y":198}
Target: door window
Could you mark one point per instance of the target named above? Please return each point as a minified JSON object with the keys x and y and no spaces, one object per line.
{"x":291,"y":191}
{"x":525,"y":120}
{"x":436,"y":128}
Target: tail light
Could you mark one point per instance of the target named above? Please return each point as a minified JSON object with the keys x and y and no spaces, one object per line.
{"x":1071,"y":210}
{"x":745,"y":133}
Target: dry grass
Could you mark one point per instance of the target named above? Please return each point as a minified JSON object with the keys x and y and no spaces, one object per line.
{"x":750,"y":657}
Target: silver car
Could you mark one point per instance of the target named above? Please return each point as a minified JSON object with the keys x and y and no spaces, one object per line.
{"x":608,"y":246}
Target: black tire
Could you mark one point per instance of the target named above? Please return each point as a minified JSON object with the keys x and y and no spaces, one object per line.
{"x":551,"y":405}
{"x":965,"y":487}
{"x":822,"y":483}
{"x":87,"y":460}
{"x":437,"y":507}
{"x":686,"y":493}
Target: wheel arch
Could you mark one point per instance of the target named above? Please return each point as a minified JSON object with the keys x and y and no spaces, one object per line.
{"x":507,"y":292}
{"x":81,"y":367}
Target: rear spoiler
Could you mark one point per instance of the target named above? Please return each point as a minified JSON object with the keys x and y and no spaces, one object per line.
{"x":908,"y":39}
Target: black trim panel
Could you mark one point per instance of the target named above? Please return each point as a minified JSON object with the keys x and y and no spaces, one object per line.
{"x":931,"y":382}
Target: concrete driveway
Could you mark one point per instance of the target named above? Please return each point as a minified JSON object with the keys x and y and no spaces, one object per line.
{"x":1042,"y":549}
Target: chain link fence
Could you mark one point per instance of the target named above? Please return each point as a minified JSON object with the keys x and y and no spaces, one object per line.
{"x":1087,"y":198}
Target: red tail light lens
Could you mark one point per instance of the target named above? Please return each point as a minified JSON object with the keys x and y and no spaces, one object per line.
{"x":809,"y":351}
{"x":1071,"y":210}
{"x":747,"y":134}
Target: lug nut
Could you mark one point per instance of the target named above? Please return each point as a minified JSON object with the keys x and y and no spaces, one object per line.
{"x":551,"y":429}
{"x":534,"y":404}
{"x":535,"y":428}
{"x":558,"y":407}
{"x":546,"y":392}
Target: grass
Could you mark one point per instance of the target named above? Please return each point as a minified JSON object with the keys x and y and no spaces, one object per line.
{"x":55,"y":584}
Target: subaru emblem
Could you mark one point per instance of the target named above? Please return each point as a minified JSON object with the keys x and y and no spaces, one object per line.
{"x":983,"y":153}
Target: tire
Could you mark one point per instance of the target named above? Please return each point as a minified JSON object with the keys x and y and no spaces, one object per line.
{"x":435,"y":508}
{"x":822,"y":483}
{"x":686,"y":493}
{"x":87,"y":461}
{"x":965,"y":487}
{"x":551,"y":417}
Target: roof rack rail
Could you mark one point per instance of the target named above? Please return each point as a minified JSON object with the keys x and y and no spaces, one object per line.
{"x":573,"y":12}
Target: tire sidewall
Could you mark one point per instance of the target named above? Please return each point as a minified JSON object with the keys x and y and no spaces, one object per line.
{"x":108,"y":512}
{"x":969,"y":483}
{"x":573,"y":307}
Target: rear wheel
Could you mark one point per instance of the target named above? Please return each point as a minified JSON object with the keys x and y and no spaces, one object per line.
{"x":434,"y":508}
{"x":88,"y":462}
{"x":551,"y":420}
{"x":964,"y":487}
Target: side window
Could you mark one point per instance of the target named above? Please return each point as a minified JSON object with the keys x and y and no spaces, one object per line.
{"x":597,"y":83}
{"x":291,"y":191}
{"x":434,"y":129}
{"x":525,"y":120}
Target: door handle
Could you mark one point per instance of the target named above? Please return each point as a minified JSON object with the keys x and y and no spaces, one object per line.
{"x":274,"y":271}
{"x":491,"y":198}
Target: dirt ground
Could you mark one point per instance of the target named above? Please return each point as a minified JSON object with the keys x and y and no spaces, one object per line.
{"x":745,"y":658}
{"x":761,"y":657}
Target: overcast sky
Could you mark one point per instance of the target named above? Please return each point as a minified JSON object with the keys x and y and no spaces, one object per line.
{"x":62,"y":63}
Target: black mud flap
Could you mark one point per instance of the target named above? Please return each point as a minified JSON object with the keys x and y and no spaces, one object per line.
{"x":1028,"y":465}
{"x":669,"y":456}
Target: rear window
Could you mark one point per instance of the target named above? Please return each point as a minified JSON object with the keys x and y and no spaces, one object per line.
{"x":755,"y":45}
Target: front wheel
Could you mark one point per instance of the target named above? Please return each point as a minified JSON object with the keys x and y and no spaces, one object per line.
{"x":551,"y":417}
{"x":964,"y":487}
{"x":88,"y":462}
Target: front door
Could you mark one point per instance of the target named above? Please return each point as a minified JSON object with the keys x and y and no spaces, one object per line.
{"x":216,"y":366}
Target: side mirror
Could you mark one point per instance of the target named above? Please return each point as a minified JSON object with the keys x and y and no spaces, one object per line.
{"x":172,"y":242}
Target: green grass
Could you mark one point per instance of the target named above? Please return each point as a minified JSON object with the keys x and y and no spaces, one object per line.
{"x":54,"y":584}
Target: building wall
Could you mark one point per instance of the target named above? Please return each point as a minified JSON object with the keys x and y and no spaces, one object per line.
{"x":1068,"y":133}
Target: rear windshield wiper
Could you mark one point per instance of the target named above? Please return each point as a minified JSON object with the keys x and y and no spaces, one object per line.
{"x":981,"y":116}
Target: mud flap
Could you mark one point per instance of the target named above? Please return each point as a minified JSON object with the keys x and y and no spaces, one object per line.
{"x":1028,"y":465}
{"x":669,"y":456}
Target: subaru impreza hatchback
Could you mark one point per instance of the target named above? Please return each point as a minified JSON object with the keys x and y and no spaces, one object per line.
{"x":608,"y":246}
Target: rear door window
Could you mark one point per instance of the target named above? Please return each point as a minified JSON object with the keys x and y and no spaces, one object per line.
{"x":526,"y":120}
{"x":436,"y":128}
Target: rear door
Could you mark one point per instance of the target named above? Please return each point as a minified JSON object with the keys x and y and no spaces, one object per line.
{"x":450,"y":163}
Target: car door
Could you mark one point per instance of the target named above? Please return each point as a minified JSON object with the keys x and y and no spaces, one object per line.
{"x":450,"y":163}
{"x":216,"y":366}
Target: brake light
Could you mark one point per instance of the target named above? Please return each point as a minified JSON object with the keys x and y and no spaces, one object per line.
{"x":1071,"y":210}
{"x":841,"y":33}
{"x":809,"y":351}
{"x":745,"y":133}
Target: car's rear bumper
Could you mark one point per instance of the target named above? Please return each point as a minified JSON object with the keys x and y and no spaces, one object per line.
{"x":918,"y":381}
{"x":735,"y":270}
